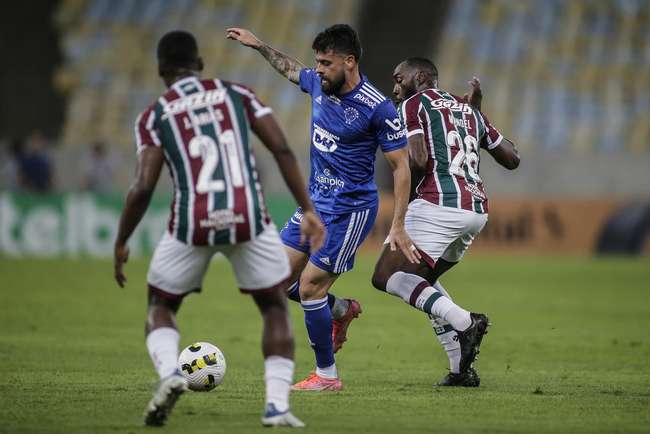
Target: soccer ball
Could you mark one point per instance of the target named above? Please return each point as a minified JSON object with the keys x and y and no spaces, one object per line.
{"x":203,"y":365}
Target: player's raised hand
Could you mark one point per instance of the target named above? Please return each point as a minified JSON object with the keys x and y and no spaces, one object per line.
{"x":120,"y":257}
{"x":398,"y":238}
{"x":244,"y":36}
{"x":312,"y":230}
{"x":475,"y":95}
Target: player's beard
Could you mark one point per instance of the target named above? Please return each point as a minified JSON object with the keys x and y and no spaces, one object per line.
{"x":331,"y":87}
{"x":408,"y":91}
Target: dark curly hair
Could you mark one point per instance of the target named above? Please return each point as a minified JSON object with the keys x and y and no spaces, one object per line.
{"x":340,"y":38}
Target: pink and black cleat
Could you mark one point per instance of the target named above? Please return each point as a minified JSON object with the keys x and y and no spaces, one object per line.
{"x":340,"y":326}
{"x":314,"y":383}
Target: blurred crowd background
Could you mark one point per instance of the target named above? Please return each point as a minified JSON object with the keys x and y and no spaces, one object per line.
{"x":566,"y":80}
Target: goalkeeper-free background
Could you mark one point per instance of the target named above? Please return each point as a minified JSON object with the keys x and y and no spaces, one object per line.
{"x":569,"y":349}
{"x":568,"y":352}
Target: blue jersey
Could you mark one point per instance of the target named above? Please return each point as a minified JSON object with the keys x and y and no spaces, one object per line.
{"x":345,"y":132}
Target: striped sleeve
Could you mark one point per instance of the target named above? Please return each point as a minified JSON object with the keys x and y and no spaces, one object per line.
{"x":146,"y":133}
{"x":254,"y":107}
{"x":492,"y":137}
{"x":410,"y":115}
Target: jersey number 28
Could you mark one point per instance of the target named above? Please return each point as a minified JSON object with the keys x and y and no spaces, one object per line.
{"x":465,"y":158}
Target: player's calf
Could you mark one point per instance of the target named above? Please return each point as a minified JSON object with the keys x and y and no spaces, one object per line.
{"x":314,"y":285}
{"x":278,"y":349}
{"x":338,"y":306}
{"x":383,"y":270}
{"x":162,"y":345}
{"x":419,"y":293}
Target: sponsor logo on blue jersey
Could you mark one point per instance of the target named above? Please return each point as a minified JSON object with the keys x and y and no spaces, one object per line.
{"x":346,"y":131}
{"x":364,"y":99}
{"x":328,"y":180}
{"x":324,"y":140}
{"x":398,"y":131}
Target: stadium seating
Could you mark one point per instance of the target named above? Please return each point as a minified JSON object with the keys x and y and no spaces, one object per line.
{"x":569,"y":76}
{"x":560,"y":76}
{"x":110,"y":75}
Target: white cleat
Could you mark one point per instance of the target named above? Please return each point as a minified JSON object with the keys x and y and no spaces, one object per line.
{"x":273,"y":417}
{"x":164,"y":398}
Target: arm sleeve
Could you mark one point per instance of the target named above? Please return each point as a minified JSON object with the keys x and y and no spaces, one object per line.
{"x":254,"y":107}
{"x":389,"y":132}
{"x":492,"y":137}
{"x":146,"y":130}
{"x":410,"y":113}
{"x":307,"y":80}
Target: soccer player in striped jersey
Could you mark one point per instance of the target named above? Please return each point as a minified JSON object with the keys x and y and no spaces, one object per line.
{"x":350,"y":120}
{"x":200,"y":129}
{"x":445,"y":135}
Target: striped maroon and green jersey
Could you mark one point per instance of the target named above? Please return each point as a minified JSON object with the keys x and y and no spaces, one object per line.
{"x":453,"y":133}
{"x":202,"y":127}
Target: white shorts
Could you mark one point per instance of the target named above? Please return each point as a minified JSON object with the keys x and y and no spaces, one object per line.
{"x":440,"y":231}
{"x":177,"y":268}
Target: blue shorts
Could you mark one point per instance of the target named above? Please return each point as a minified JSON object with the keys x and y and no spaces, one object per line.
{"x":345,"y":233}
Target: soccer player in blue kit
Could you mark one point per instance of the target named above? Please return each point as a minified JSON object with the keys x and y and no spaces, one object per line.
{"x":350,"y":119}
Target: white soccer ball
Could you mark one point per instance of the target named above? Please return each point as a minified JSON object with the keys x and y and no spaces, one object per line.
{"x":203,"y":365}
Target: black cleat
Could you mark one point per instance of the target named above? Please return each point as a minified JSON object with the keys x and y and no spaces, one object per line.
{"x":470,"y":340}
{"x":468,"y":378}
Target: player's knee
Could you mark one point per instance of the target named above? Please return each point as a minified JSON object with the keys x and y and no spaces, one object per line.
{"x":312,"y":291}
{"x":160,"y":315}
{"x":161,"y":312}
{"x":379,"y":280}
{"x":155,"y":301}
{"x":314,"y":286}
{"x":271,"y":303}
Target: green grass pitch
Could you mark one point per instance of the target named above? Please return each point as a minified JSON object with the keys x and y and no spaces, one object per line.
{"x":569,"y":351}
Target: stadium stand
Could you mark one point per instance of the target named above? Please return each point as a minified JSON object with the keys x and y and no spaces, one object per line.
{"x":569,"y":76}
{"x":578,"y":71}
{"x":110,"y":74}
{"x":567,"y":80}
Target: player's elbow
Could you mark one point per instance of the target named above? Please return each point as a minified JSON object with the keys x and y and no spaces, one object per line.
{"x":141,"y":191}
{"x":513,"y":161}
{"x":281,"y":150}
{"x":379,"y":279}
{"x":507,"y":155}
{"x":419,"y":162}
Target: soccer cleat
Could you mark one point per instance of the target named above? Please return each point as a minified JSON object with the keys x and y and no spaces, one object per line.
{"x":316,"y":384}
{"x":468,"y":378}
{"x":164,"y":398}
{"x":273,"y":417}
{"x":470,"y":340}
{"x":340,"y":326}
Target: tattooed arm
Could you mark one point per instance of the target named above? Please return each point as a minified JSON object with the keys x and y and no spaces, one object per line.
{"x":285,"y":65}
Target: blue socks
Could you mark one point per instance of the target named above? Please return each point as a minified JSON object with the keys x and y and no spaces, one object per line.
{"x":318,"y":319}
{"x":294,"y":292}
